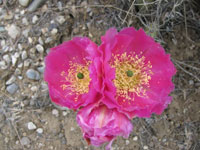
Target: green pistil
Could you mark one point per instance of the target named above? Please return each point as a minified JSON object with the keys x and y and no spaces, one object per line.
{"x":80,"y":75}
{"x":129,"y":73}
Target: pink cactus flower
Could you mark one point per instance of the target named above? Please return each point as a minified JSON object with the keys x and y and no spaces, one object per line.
{"x":68,"y":73}
{"x":100,"y":124}
{"x":137,"y":73}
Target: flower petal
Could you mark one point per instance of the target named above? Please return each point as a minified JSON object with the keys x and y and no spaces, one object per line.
{"x":152,"y":68}
{"x":100,"y":124}
{"x":63,"y":64}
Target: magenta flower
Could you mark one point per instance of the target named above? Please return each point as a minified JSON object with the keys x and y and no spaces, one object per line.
{"x":137,"y":73}
{"x":100,"y":124}
{"x":128,"y":75}
{"x":68,"y":69}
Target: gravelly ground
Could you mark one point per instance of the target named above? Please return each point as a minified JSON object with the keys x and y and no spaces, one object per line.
{"x":28,"y":120}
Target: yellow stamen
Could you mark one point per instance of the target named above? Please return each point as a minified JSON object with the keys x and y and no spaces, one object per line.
{"x":132,"y":75}
{"x":77,"y":79}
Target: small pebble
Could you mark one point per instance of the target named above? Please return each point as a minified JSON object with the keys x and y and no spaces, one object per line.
{"x":60,"y":135}
{"x":24,"y":55}
{"x":30,"y":40}
{"x":191,"y":82}
{"x":34,"y":88}
{"x":22,"y":12}
{"x":5,"y":49}
{"x":127,"y":142}
{"x":164,"y":140}
{"x":14,"y":58}
{"x":60,"y":6}
{"x":39,"y":130}
{"x":8,"y":16}
{"x":55,"y":112}
{"x":48,"y":40}
{"x":25,"y":21}
{"x":24,"y":2}
{"x":17,"y":71}
{"x":44,"y":86}
{"x":3,"y":43}
{"x":41,"y":69}
{"x":72,"y":129}
{"x":35,"y":19}
{"x":32,"y":74}
{"x":11,"y":80}
{"x":135,"y":138}
{"x":39,"y":48}
{"x":7,"y":58}
{"x":60,"y":19}
{"x":3,"y":65}
{"x":31,"y":126}
{"x":64,"y":113}
{"x":27,"y":62}
{"x":54,"y":31}
{"x":145,"y":147}
{"x":12,"y":88}
{"x":13,"y":31}
{"x":25,"y":141}
{"x":2,"y":29}
{"x":19,"y":46}
{"x":35,"y":4}
{"x":26,"y":32}
{"x":40,"y":41}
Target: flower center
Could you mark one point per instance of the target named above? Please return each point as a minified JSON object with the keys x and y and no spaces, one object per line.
{"x":76,"y":79}
{"x":129,"y":73}
{"x":80,"y":75}
{"x":132,"y":75}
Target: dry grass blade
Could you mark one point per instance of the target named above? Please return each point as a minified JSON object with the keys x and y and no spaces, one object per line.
{"x":128,"y":12}
{"x":187,"y":72}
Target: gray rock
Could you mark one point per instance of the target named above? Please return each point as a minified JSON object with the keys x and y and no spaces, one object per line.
{"x":41,"y":69}
{"x":13,"y":31}
{"x":40,"y":48}
{"x":24,"y":55}
{"x":7,"y":58}
{"x":20,"y":65}
{"x":3,"y":43}
{"x":3,"y":64}
{"x":25,"y":141}
{"x":2,"y":29}
{"x":12,"y":88}
{"x":24,"y":2}
{"x":40,"y":41}
{"x":26,"y":32}
{"x":54,"y":31}
{"x":127,"y":142}
{"x":191,"y":82}
{"x":60,"y":6}
{"x":31,"y":126}
{"x":35,"y":4}
{"x":39,"y":130}
{"x":48,"y":40}
{"x":27,"y":62}
{"x":11,"y":80}
{"x":25,"y":21}
{"x":60,"y":19}
{"x":35,"y":19}
{"x":32,"y":74}
{"x":55,"y":112}
{"x":14,"y":60}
